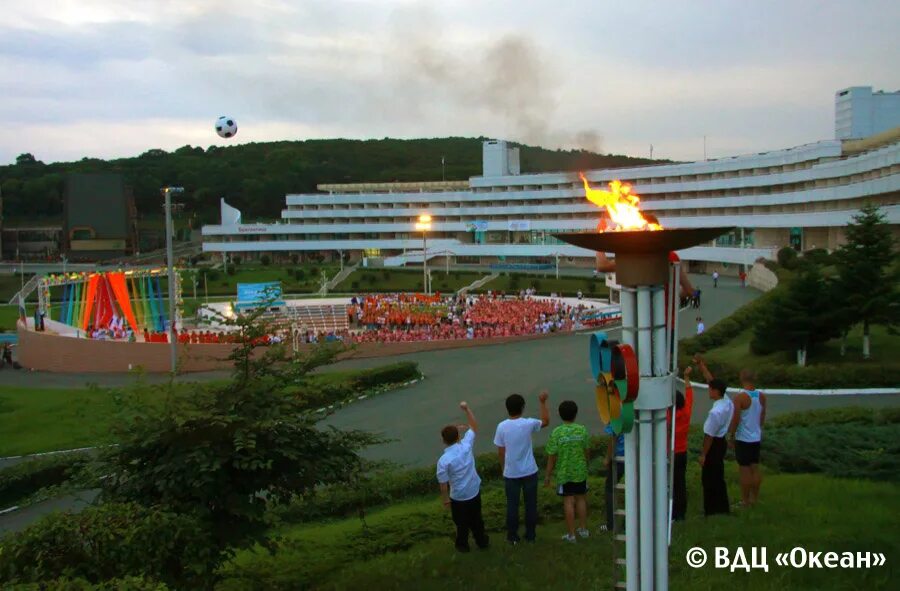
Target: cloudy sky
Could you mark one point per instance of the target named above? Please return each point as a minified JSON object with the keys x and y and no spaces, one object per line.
{"x":112,"y":78}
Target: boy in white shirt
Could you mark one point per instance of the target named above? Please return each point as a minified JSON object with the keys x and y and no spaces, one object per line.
{"x":520,"y":471}
{"x":460,"y":483}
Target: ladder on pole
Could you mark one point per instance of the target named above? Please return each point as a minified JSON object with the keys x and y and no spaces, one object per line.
{"x":618,"y":523}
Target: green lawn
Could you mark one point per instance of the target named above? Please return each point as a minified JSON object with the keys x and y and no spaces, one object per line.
{"x":10,"y":283}
{"x":34,"y":420}
{"x":546,"y":284}
{"x":227,"y":284}
{"x":885,"y":350}
{"x":405,"y":280}
{"x":408,"y":545}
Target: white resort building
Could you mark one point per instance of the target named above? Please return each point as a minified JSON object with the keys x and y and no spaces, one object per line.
{"x":800,"y":197}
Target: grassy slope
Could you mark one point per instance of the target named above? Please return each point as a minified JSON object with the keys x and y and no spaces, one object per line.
{"x":408,"y":545}
{"x":227,"y":284}
{"x":406,"y":279}
{"x":550,"y":284}
{"x":885,"y":349}
{"x":44,"y":419}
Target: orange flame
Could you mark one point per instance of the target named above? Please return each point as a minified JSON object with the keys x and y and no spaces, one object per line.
{"x":621,"y":204}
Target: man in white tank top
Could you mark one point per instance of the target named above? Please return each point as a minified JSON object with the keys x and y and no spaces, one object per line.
{"x":745,"y":433}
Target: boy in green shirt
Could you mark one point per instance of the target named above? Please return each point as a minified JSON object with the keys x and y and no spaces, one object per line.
{"x":568,"y":454}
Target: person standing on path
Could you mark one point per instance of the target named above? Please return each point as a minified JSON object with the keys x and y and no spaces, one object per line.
{"x":568,"y":452}
{"x":745,"y":433}
{"x":712,"y":458}
{"x":700,"y":326}
{"x":520,"y":471}
{"x":684,"y":405}
{"x":460,"y":483}
{"x":715,"y":279}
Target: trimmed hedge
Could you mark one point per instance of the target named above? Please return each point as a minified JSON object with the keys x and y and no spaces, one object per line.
{"x":110,"y":541}
{"x":390,"y":485}
{"x":67,"y":584}
{"x":845,"y":442}
{"x":317,"y":394}
{"x":393,"y":373}
{"x":815,"y":377}
{"x":26,"y":478}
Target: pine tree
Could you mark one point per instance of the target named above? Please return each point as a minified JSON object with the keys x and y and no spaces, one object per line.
{"x":801,"y":317}
{"x":869,"y":273}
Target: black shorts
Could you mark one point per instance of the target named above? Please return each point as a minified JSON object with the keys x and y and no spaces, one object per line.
{"x":746,"y":453}
{"x":570,"y":489}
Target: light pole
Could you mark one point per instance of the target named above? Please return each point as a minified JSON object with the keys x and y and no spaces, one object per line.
{"x":341,"y":256}
{"x":423,"y":225}
{"x":173,"y":350}
{"x":557,"y":264}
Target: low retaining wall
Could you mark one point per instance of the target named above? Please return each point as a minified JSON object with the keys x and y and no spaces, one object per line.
{"x":43,"y":351}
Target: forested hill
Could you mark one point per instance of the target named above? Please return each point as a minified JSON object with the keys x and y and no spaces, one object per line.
{"x":255,"y":177}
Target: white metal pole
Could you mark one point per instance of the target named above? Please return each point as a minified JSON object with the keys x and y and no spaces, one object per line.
{"x":645,"y":486}
{"x":660,"y":361}
{"x":644,"y":336}
{"x":447,"y":262}
{"x":660,"y":509}
{"x":557,"y":265}
{"x":632,"y":552}
{"x":171,"y":272}
{"x":628,"y":303}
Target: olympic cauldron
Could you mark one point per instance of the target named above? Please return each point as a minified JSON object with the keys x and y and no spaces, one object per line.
{"x":636,"y":405}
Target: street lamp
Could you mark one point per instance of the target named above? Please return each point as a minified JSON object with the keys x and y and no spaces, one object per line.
{"x":423,"y":225}
{"x":167,"y":193}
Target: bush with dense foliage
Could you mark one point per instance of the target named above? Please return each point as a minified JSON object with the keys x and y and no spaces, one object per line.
{"x":26,"y":478}
{"x":111,"y":541}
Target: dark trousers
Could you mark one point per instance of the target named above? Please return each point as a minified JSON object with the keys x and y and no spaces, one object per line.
{"x":526,"y":486}
{"x":715,"y":493}
{"x":679,"y":487}
{"x":467,"y":517}
{"x":610,"y":481}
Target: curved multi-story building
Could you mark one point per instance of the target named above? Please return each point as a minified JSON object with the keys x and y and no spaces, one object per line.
{"x":800,"y":197}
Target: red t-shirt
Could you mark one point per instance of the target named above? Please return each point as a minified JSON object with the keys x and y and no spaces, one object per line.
{"x":683,"y":420}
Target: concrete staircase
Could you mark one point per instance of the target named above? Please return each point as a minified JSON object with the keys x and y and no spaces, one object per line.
{"x":337,"y":279}
{"x":478,"y":283}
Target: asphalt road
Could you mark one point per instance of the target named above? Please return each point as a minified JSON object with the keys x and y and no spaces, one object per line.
{"x":483,"y":376}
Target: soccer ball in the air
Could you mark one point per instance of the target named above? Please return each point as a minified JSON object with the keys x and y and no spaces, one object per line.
{"x":226,"y":126}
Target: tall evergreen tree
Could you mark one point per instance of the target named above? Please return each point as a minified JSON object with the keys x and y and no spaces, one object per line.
{"x":869,"y":273}
{"x":799,"y":318}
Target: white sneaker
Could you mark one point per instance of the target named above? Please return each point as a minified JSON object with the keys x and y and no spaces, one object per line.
{"x":568,"y":538}
{"x":583,"y":533}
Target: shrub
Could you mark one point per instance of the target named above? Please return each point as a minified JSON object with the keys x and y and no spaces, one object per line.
{"x":231,"y":271}
{"x":110,"y":541}
{"x":299,"y":273}
{"x":265,"y":260}
{"x":818,"y":256}
{"x":787,"y":257}
{"x":26,"y":478}
{"x":236,"y":260}
{"x":212,"y":274}
{"x":69,"y":584}
{"x":354,"y":285}
{"x":295,"y":259}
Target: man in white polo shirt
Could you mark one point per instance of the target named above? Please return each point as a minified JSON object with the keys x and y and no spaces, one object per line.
{"x":460,"y":483}
{"x":520,"y":471}
{"x":712,"y":458}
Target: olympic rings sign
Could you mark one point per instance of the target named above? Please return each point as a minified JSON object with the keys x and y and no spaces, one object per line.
{"x":615,"y":369}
